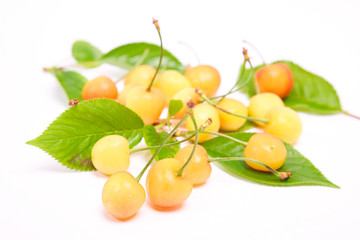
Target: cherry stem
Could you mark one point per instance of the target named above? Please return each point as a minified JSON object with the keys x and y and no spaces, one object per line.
{"x":249,"y":77}
{"x":350,"y":115}
{"x":281,"y":175}
{"x":160,"y":147}
{"x":141,"y":60}
{"x":237,"y":88}
{"x":206,"y":99}
{"x":225,"y":136}
{"x":256,"y":50}
{"x":242,"y":71}
{"x":181,"y":170}
{"x":155,"y":22}
{"x":165,"y":145}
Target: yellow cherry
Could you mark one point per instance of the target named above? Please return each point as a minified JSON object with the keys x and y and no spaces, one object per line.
{"x":122,"y":195}
{"x":202,"y":112}
{"x":185,"y":95}
{"x":164,"y":187}
{"x":147,"y":104}
{"x":199,"y":169}
{"x":261,"y":103}
{"x":140,"y":75}
{"x":99,"y":87}
{"x":205,"y":77}
{"x":267,"y":149}
{"x":111,"y":154}
{"x":284,"y":123}
{"x":170,"y":82}
{"x":122,"y":95}
{"x":230,"y":122}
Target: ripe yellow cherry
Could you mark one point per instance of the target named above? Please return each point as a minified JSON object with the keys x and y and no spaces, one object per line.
{"x":164,"y":187}
{"x":284,"y":123}
{"x":199,"y":169}
{"x":205,"y":77}
{"x":230,"y":122}
{"x":122,"y":195}
{"x":147,"y":104}
{"x":185,"y":96}
{"x":202,"y":112}
{"x":267,"y":149}
{"x":261,"y":103}
{"x":122,"y":95}
{"x":170,"y":82}
{"x":140,"y":75}
{"x":111,"y":154}
{"x":99,"y":87}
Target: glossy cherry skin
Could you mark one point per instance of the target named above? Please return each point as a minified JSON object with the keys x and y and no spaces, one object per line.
{"x":205,"y":77}
{"x":163,"y":186}
{"x":99,"y":87}
{"x":199,"y":169}
{"x":267,"y":149}
{"x":276,"y":78}
{"x":122,"y":195}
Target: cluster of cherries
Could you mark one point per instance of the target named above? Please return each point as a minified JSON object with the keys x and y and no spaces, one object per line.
{"x":169,"y":182}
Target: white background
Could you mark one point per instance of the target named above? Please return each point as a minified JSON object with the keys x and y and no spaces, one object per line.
{"x":40,"y":199}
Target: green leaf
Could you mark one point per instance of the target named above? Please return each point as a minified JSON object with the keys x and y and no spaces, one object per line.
{"x":129,"y":55}
{"x":86,"y":54}
{"x":304,"y":172}
{"x":70,"y":138}
{"x":311,"y":93}
{"x":174,"y":107}
{"x":72,"y":82}
{"x":152,"y":138}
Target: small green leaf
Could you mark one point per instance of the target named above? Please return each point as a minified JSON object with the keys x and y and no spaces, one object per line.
{"x":70,"y":138}
{"x":129,"y":55}
{"x":72,"y":82}
{"x":304,"y":172}
{"x":174,"y":107}
{"x":86,"y":54}
{"x":310,"y":93}
{"x":152,"y":138}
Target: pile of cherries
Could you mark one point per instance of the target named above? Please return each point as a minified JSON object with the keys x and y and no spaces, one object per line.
{"x":169,"y":181}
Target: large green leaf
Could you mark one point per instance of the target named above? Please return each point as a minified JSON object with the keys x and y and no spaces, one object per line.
{"x":70,"y":138}
{"x":152,"y":138}
{"x":129,"y":55}
{"x":304,"y":172}
{"x":310,"y":93}
{"x":72,"y":82}
{"x":86,"y":54}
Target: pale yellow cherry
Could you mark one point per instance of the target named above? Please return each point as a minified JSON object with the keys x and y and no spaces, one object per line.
{"x":111,"y":154}
{"x":230,"y":122}
{"x":205,"y":77}
{"x":199,"y":169}
{"x":261,"y":103}
{"x":284,"y":123}
{"x":202,"y":112}
{"x":122,"y":195}
{"x":170,"y":82}
{"x":185,"y":95}
{"x":267,"y":149}
{"x":164,"y":188}
{"x":148,"y":104}
{"x":140,"y":75}
{"x":122,"y":95}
